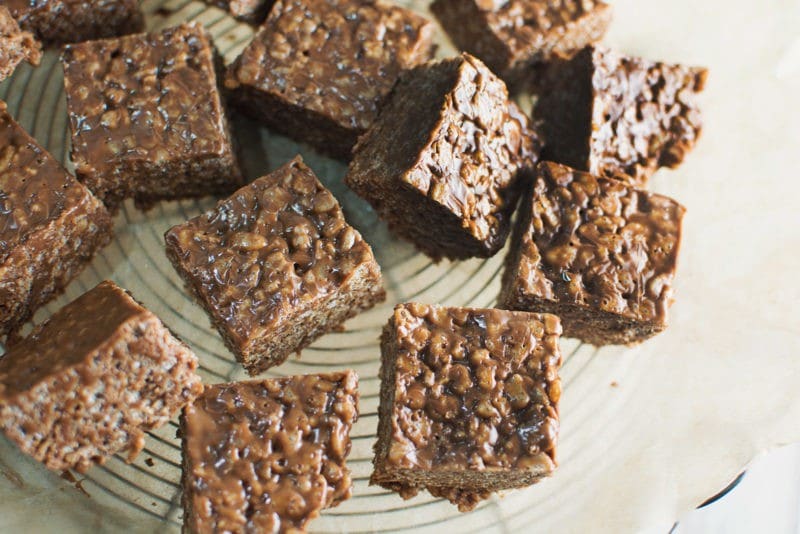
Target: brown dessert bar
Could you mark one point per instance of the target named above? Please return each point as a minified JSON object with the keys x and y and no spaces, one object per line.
{"x":88,"y":382}
{"x":317,"y":71}
{"x":276,"y":266}
{"x":50,"y":226}
{"x":267,"y":456}
{"x":15,"y":45}
{"x":147,"y":118}
{"x":250,"y":11}
{"x":446,"y":159}
{"x":468,"y":403}
{"x":613,"y":115}
{"x":72,"y":21}
{"x":514,"y":35}
{"x":596,"y":252}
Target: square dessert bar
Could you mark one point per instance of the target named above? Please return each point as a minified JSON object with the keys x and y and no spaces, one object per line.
{"x":613,"y":115}
{"x":446,"y":159}
{"x":596,"y":252}
{"x":250,"y":11}
{"x":269,"y":455}
{"x":88,"y":382}
{"x":50,"y":226}
{"x":317,"y":71}
{"x":147,"y":118}
{"x":276,"y":266}
{"x":468,"y":402}
{"x":72,"y":21}
{"x":15,"y":45}
{"x":512,"y":36}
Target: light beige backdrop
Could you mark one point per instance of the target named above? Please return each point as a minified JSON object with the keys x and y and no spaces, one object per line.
{"x":647,"y":433}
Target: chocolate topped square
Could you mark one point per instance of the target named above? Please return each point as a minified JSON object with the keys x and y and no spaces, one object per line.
{"x":92,"y":379}
{"x":619,"y":116}
{"x":318,"y":71}
{"x":71,"y":21}
{"x":511,"y":36}
{"x":598,"y":253}
{"x":267,"y":456}
{"x":16,"y":45}
{"x":276,"y":265}
{"x":147,"y":118}
{"x":50,"y":226}
{"x":469,"y":401}
{"x":450,"y":149}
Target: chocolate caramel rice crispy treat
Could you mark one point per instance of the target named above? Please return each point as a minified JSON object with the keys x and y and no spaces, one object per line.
{"x":56,"y":22}
{"x":276,"y":266}
{"x":92,"y":379}
{"x":50,"y":226}
{"x":147,"y":117}
{"x":468,"y":402}
{"x":619,"y":116}
{"x":318,"y":71}
{"x":15,"y":45}
{"x":268,"y":455}
{"x":446,"y":159}
{"x":514,"y":36}
{"x":597,"y":252}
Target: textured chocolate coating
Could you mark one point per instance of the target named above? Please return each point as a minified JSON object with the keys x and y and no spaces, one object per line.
{"x":15,"y":45}
{"x":511,"y":36}
{"x":276,"y":265}
{"x":269,"y":455}
{"x":449,"y":149}
{"x":617,"y":116}
{"x":147,"y":118}
{"x":88,"y":382}
{"x":598,"y":253}
{"x":50,"y":225}
{"x":469,"y":401}
{"x":250,"y":11}
{"x":317,"y":71}
{"x":72,"y":21}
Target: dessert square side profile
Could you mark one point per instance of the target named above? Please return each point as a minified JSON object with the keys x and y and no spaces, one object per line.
{"x":446,"y":159}
{"x":318,"y":71}
{"x":596,"y":252}
{"x":15,"y":45}
{"x":468,"y":402}
{"x":513,"y":36}
{"x":276,"y":266}
{"x":617,"y":116}
{"x":267,"y":456}
{"x":250,"y":11}
{"x":58,"y":22}
{"x":147,"y":118}
{"x":92,"y":379}
{"x":50,"y":226}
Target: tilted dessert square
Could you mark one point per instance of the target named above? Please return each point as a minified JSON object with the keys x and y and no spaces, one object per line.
{"x":71,"y":21}
{"x":468,"y":402}
{"x":514,"y":35}
{"x":615,"y":115}
{"x":276,"y":266}
{"x":16,"y":45}
{"x":445,"y":161}
{"x":267,"y":456}
{"x":50,"y":225}
{"x":596,"y":252}
{"x":318,"y":71}
{"x":147,"y":118}
{"x":92,"y":379}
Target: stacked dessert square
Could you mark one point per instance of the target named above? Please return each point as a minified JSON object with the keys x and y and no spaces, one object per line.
{"x":443,"y":153}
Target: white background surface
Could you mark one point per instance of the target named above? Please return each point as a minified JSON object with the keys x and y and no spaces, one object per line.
{"x":767,"y":500}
